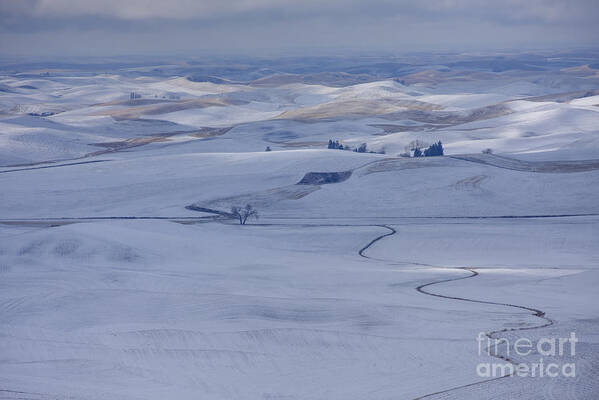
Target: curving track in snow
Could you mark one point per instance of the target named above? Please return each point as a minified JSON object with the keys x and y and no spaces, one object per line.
{"x":473,"y":273}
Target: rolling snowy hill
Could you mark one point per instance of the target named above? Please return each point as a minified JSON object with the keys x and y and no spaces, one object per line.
{"x":368,"y":275}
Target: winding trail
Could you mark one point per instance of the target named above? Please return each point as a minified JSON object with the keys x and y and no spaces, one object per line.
{"x":473,"y":273}
{"x":373,"y":241}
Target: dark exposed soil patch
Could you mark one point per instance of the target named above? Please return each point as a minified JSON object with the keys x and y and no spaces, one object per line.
{"x":126,"y":144}
{"x":160,"y":137}
{"x":564,"y":97}
{"x":111,"y":147}
{"x":392,"y":128}
{"x":451,"y":117}
{"x":154,"y":107}
{"x":323,"y":178}
{"x":210,"y":132}
{"x":304,"y":144}
{"x":209,"y":211}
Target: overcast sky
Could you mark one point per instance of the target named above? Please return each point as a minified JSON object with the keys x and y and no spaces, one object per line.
{"x":117,"y":27}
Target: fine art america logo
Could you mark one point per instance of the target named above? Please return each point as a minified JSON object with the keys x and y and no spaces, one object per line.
{"x":543,"y":347}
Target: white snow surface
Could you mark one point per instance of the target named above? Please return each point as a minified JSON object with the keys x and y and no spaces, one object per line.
{"x":110,"y":288}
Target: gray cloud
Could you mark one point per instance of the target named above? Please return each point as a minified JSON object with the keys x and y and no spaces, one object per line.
{"x":515,"y":10}
{"x":180,"y":25}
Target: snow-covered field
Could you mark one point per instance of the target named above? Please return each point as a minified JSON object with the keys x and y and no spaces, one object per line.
{"x":367,"y":275}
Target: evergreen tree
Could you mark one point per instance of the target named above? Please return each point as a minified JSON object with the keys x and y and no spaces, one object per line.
{"x":434,"y":150}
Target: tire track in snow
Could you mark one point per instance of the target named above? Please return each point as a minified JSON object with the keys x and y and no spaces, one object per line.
{"x":373,"y":241}
{"x":473,"y":273}
{"x":52,"y":166}
{"x":536,"y":312}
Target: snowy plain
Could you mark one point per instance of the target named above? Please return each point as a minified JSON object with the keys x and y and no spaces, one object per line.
{"x":117,"y":282}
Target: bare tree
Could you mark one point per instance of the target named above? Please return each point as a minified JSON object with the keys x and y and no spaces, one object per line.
{"x":242,"y":214}
{"x":415,"y":144}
